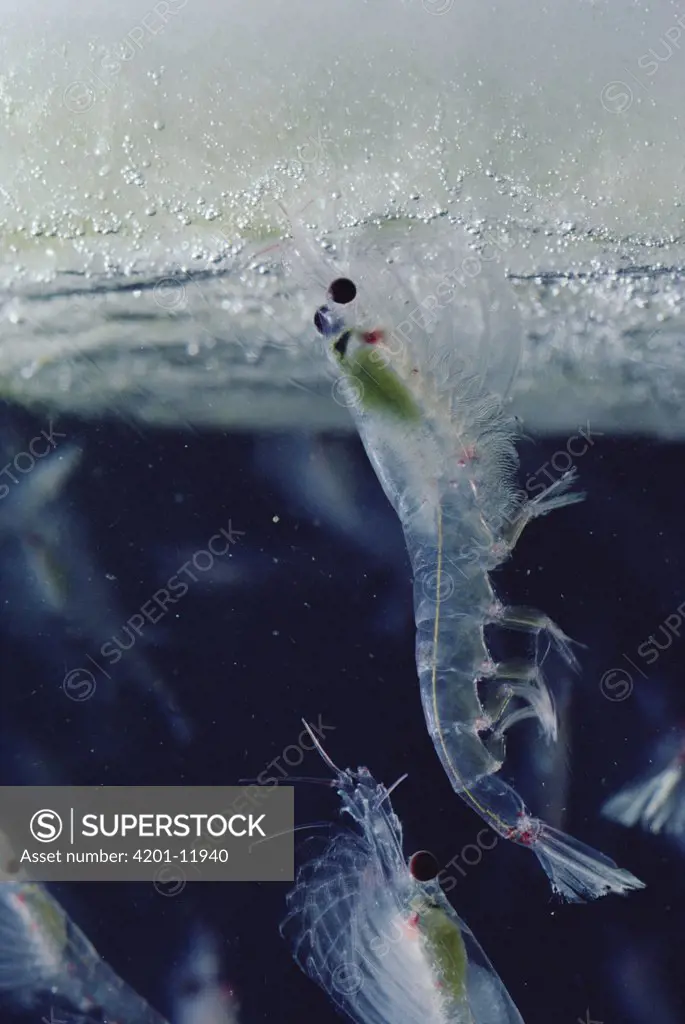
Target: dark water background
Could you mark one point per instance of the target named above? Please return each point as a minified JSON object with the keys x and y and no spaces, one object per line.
{"x":327,"y":630}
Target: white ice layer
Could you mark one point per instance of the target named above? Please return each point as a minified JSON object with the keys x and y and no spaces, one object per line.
{"x":144,"y":143}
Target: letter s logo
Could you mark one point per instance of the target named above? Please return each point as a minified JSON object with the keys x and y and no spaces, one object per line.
{"x":46,"y":826}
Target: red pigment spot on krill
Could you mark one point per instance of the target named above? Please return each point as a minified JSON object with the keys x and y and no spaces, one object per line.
{"x":410,"y":928}
{"x":469,"y":455}
{"x":522,"y":834}
{"x":371,"y":337}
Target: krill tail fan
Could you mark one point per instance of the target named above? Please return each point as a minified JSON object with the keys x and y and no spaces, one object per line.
{"x":656,"y":801}
{"x":577,"y":872}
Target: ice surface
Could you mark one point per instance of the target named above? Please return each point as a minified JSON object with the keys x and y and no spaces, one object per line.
{"x":146,"y":147}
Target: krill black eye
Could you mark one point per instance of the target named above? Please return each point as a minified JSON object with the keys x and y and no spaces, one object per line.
{"x":342,"y":291}
{"x":322,"y":319}
{"x":423,"y":866}
{"x":326,"y":322}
